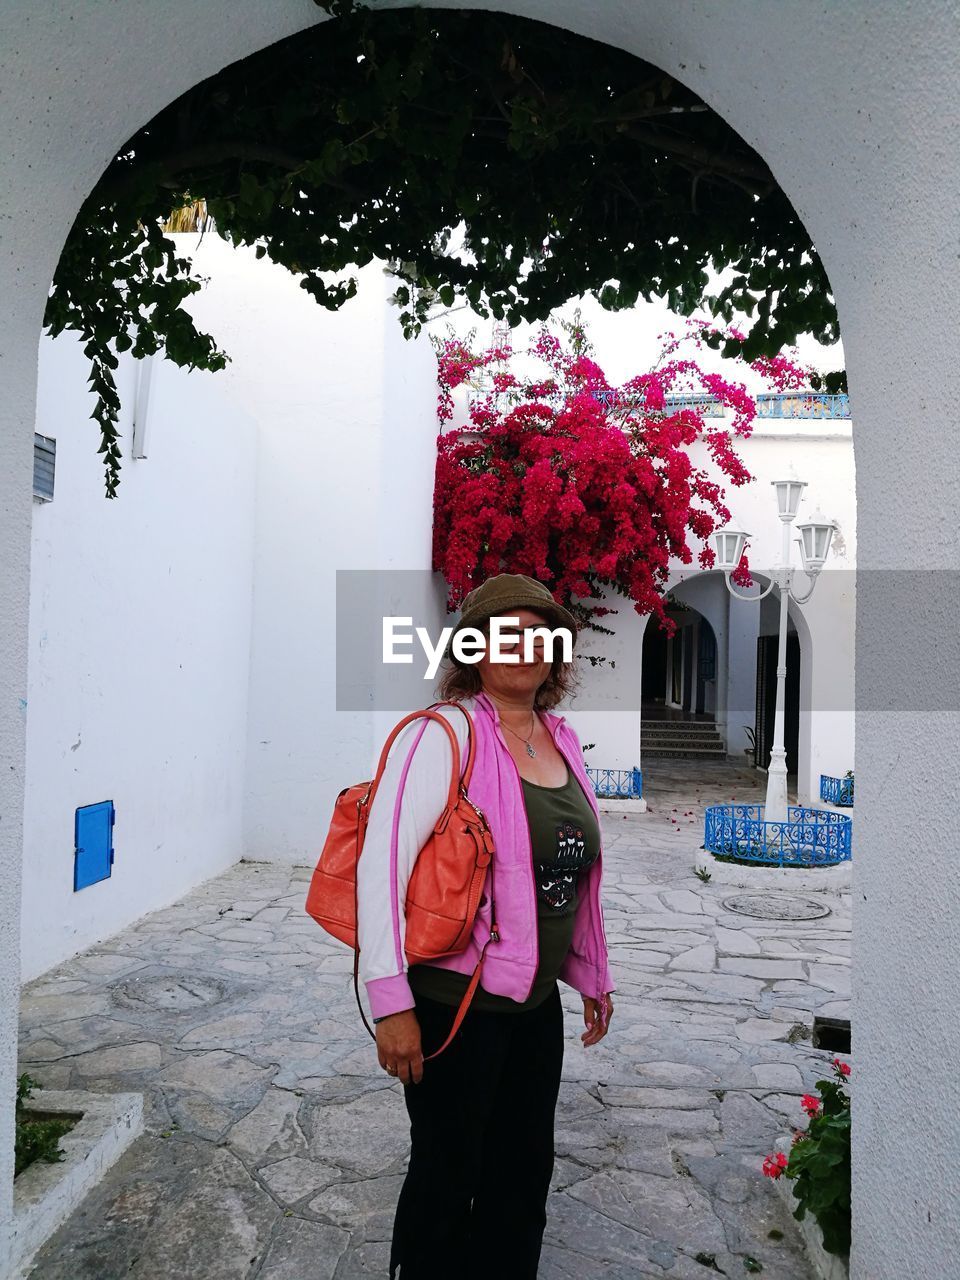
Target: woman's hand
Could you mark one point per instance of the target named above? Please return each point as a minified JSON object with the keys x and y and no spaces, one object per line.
{"x":398,"y":1046}
{"x":596,"y":1018}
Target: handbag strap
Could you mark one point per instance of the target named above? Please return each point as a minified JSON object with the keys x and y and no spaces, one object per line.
{"x":471,"y":990}
{"x":465,"y":1002}
{"x":456,"y":783}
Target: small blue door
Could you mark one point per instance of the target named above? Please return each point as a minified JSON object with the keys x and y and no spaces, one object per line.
{"x":93,"y":836}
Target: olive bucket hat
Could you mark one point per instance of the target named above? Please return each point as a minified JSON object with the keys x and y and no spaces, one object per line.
{"x":506,"y":591}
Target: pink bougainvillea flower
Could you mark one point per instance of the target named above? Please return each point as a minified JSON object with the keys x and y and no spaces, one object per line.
{"x":774,"y":1165}
{"x":596,"y":488}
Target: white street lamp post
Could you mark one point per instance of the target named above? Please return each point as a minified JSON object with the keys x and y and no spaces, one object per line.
{"x":816,"y":536}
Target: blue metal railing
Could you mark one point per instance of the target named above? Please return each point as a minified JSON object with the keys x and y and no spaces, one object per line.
{"x":624,"y":784}
{"x":836,"y":790}
{"x":800,"y":404}
{"x":808,"y":838}
{"x":781,"y":404}
{"x":708,"y":405}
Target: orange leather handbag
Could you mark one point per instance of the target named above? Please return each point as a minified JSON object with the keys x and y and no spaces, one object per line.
{"x":447,"y":881}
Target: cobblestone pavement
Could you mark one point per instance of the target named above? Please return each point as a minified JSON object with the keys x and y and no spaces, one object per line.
{"x":275,"y":1147}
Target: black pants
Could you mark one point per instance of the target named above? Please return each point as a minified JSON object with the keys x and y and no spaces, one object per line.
{"x":481,"y":1129}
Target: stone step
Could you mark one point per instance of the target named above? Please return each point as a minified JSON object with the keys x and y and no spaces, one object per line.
{"x":670,"y":735}
{"x":682,"y":753}
{"x":666,"y":740}
{"x":647,"y":723}
{"x":660,"y":726}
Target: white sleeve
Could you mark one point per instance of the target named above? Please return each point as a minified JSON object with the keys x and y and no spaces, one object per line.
{"x":409,"y":800}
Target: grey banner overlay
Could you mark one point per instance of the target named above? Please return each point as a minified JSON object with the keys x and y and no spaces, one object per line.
{"x":910,"y":614}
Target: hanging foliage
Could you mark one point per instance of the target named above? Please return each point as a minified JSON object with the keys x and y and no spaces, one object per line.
{"x":488,"y":158}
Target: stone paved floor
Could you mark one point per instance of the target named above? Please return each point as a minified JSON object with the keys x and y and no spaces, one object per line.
{"x":275,"y":1147}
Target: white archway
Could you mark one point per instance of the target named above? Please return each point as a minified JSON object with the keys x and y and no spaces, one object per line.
{"x":737,"y":623}
{"x":824,"y":98}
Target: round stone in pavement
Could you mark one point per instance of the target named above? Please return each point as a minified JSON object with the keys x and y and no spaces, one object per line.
{"x":168,"y":992}
{"x":776,"y":906}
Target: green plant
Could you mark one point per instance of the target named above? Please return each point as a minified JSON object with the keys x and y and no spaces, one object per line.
{"x":36,"y":1137}
{"x":819,"y":1161}
{"x":572,"y":167}
{"x":702,"y":874}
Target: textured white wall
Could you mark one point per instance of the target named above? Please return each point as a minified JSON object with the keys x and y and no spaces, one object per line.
{"x":346,"y":419}
{"x":606,"y":708}
{"x":850,"y":105}
{"x":139,"y":650}
{"x":404,"y":517}
{"x":141,"y":662}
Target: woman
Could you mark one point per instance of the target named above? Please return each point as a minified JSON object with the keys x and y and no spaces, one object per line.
{"x":482,"y":1112}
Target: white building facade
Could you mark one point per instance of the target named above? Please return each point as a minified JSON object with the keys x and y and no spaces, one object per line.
{"x":849,"y":106}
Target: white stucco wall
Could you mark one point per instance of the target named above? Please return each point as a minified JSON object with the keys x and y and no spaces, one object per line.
{"x":182,"y":650}
{"x":852,"y":121}
{"x":346,"y":416}
{"x":140,"y":612}
{"x":605,"y":710}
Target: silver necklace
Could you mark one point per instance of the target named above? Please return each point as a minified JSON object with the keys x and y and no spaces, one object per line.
{"x":526,"y":741}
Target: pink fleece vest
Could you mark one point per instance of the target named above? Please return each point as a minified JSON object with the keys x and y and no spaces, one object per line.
{"x":510,"y":965}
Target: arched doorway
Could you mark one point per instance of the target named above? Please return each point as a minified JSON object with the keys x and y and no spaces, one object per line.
{"x":768,"y":652}
{"x":895,"y":306}
{"x":738,"y":701}
{"x":679,"y":688}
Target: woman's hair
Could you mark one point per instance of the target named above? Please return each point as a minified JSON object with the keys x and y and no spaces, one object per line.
{"x":458,"y":682}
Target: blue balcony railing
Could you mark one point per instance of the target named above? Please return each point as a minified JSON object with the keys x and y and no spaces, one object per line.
{"x":808,"y":838}
{"x":800,"y":404}
{"x":623,"y":784}
{"x":786,"y":404}
{"x":836,"y":790}
{"x":708,"y":405}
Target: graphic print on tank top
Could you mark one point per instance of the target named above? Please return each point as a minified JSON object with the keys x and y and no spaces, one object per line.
{"x":557,"y":879}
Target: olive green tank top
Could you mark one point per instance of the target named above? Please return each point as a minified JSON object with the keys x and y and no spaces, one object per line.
{"x":565,"y":839}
